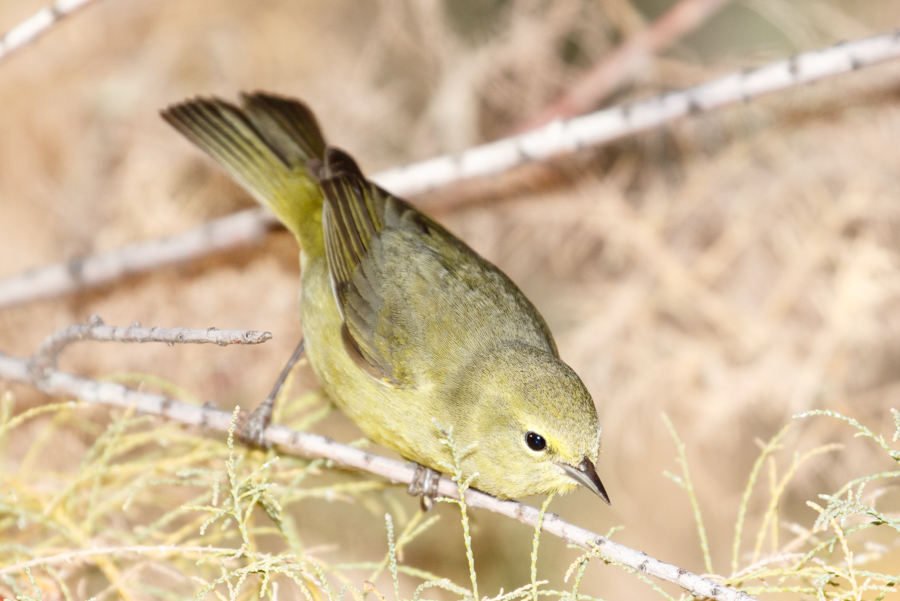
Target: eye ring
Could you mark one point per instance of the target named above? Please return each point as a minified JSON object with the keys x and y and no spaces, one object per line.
{"x":535,"y":441}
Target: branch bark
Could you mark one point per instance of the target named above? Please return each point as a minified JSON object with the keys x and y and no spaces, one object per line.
{"x":94,"y":329}
{"x":619,"y":65}
{"x":59,"y":383}
{"x":238,"y":229}
{"x":554,"y":138}
{"x":37,"y":25}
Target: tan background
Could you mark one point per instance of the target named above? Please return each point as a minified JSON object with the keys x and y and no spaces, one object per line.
{"x":731,"y":271}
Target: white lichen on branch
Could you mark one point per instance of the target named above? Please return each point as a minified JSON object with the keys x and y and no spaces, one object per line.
{"x":307,"y":444}
{"x":490,"y":159}
{"x":94,"y":329}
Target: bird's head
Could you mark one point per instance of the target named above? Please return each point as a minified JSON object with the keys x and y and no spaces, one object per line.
{"x":530,"y":422}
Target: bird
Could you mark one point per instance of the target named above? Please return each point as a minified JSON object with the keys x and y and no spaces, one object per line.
{"x":410,"y":332}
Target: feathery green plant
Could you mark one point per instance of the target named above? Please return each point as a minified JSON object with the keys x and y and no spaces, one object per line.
{"x":221,"y":521}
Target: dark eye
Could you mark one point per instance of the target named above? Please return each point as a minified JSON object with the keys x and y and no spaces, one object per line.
{"x":535,"y":441}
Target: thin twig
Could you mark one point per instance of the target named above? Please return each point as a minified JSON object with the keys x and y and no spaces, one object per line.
{"x":109,"y":393}
{"x":93,"y":329}
{"x":490,"y":159}
{"x":117,"y":552}
{"x":37,"y":25}
{"x":620,"y":64}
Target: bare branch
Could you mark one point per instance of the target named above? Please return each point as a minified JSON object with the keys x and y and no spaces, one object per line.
{"x":621,"y":121}
{"x":38,"y":24}
{"x":238,"y":229}
{"x":490,"y":159}
{"x":93,"y":329}
{"x":619,"y":65}
{"x":304,"y":443}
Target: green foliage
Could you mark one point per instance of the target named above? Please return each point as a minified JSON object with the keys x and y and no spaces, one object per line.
{"x":148,"y":499}
{"x":823,"y":560}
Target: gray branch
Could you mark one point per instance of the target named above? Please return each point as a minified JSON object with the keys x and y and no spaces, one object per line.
{"x":621,"y":121}
{"x":242,"y":228}
{"x":557,"y":137}
{"x":37,"y":25}
{"x":46,"y":356}
{"x":108,"y":393}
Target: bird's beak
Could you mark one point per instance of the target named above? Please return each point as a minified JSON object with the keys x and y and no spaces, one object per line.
{"x":586,"y":475}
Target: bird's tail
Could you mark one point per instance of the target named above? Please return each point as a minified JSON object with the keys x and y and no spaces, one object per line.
{"x":271,"y":145}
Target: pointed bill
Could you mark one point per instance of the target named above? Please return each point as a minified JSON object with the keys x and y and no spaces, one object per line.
{"x":586,"y":475}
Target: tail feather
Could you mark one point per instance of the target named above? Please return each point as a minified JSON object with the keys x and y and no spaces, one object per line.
{"x":286,"y":124}
{"x":266,"y":144}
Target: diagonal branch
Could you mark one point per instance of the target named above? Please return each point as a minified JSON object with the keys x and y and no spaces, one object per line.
{"x":37,"y":25}
{"x":622,"y":121}
{"x":238,"y":229}
{"x":619,"y":64}
{"x":482,"y":161}
{"x":307,"y":444}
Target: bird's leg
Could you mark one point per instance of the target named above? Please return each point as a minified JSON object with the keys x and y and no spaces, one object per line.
{"x":253,"y":429}
{"x":424,"y":484}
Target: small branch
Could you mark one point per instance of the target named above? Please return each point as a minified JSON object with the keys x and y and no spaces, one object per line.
{"x":238,"y":229}
{"x":304,"y":443}
{"x":621,"y":121}
{"x":595,"y":129}
{"x":117,"y":552}
{"x":38,"y":24}
{"x":47,"y":354}
{"x":620,"y":64}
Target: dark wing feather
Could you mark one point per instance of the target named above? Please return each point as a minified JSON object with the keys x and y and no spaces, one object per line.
{"x":266,"y":144}
{"x":352,"y":219}
{"x":404,"y":285}
{"x":286,"y":124}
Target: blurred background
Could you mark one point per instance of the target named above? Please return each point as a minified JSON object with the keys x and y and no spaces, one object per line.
{"x":730,"y":270}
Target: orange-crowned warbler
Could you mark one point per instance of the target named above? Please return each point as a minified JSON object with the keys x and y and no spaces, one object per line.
{"x":403,"y":323}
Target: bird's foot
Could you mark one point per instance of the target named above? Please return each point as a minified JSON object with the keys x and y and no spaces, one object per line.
{"x":424,"y":485}
{"x":252,"y":429}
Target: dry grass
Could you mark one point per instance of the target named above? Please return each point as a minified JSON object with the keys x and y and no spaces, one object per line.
{"x":731,"y":271}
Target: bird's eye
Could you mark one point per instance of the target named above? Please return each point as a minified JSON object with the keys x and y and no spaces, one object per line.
{"x":535,"y":441}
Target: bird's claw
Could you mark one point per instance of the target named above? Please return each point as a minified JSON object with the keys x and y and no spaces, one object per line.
{"x":251,"y":427}
{"x":424,"y":484}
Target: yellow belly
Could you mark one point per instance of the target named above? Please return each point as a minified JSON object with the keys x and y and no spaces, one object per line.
{"x":399,"y":419}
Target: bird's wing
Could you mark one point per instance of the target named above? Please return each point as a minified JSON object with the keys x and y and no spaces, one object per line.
{"x":352,"y":221}
{"x":412,"y":296}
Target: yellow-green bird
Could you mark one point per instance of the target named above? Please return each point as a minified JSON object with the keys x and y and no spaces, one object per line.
{"x":405,"y":326}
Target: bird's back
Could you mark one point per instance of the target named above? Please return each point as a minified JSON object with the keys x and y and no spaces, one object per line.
{"x":416,"y":303}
